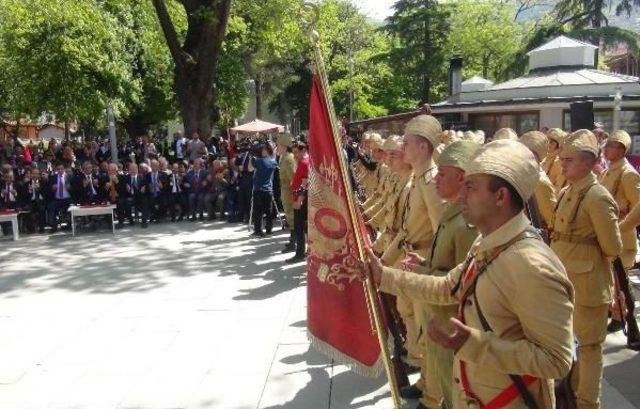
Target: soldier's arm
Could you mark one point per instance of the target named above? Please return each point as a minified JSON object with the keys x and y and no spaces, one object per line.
{"x":631,"y":188}
{"x":632,"y":219}
{"x":434,"y":203}
{"x":378,"y":219}
{"x":434,"y":290}
{"x":546,"y":200}
{"x":603,"y":213}
{"x":546,"y":350}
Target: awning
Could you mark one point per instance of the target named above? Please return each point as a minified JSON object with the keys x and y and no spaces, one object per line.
{"x":255,"y":127}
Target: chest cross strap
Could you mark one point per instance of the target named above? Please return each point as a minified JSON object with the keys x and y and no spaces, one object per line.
{"x":520,"y":383}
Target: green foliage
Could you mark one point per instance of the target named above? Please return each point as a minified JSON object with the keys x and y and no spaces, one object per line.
{"x":485,"y":35}
{"x":65,"y":57}
{"x":419,"y":52}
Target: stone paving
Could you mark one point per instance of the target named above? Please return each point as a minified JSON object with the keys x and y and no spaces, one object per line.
{"x":188,"y":315}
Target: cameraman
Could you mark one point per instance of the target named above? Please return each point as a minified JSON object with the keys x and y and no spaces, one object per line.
{"x":264,"y":166}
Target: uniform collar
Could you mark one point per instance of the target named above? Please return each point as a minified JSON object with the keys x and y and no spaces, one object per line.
{"x":618,"y":164}
{"x":516,"y":225}
{"x":450,"y":211}
{"x":586,"y":181}
{"x":424,"y":168}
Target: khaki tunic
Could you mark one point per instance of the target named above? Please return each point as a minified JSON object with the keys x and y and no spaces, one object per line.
{"x":586,"y":237}
{"x":393,"y":213}
{"x":288,"y":166}
{"x":545,"y":197}
{"x":421,"y":217}
{"x":623,"y":182}
{"x":452,"y":243}
{"x":376,"y":202}
{"x":372,"y":178}
{"x":529,"y":336}
{"x":551,"y":166}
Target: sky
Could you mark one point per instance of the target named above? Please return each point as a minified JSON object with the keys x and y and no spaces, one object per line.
{"x":375,"y":9}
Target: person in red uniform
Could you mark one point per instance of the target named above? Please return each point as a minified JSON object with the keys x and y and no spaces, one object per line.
{"x":299,"y":191}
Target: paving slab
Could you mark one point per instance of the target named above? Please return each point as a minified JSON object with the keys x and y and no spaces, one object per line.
{"x":181,"y":316}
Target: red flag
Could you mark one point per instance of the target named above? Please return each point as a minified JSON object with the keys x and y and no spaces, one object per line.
{"x":338,"y":317}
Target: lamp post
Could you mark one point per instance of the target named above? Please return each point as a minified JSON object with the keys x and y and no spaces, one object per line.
{"x":112,"y":133}
{"x":617,"y":107}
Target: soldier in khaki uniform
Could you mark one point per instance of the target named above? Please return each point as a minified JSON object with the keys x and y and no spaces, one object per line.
{"x":421,"y":214}
{"x":623,"y":182}
{"x":376,"y":202}
{"x":551,"y":163}
{"x":372,"y":178}
{"x":502,"y":327}
{"x":287,"y":167}
{"x":452,"y":242}
{"x":544,"y":195}
{"x":389,"y":218}
{"x":586,"y":237}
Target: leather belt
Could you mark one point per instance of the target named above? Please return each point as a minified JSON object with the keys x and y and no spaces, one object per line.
{"x":570,"y":238}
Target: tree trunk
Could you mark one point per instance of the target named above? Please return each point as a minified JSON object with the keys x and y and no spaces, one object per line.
{"x":196,"y":61}
{"x":66,"y":131}
{"x":426,"y":49}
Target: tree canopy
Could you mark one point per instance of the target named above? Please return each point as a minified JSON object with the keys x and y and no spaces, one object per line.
{"x":198,"y":60}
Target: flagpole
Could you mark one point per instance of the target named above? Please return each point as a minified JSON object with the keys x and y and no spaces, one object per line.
{"x":370,"y":290}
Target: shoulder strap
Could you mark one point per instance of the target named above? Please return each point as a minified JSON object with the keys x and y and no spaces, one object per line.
{"x":528,"y":399}
{"x":517,"y":380}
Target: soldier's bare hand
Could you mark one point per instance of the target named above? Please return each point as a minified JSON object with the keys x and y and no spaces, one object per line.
{"x":375,"y":266}
{"x":454,"y":339}
{"x":412,"y":261}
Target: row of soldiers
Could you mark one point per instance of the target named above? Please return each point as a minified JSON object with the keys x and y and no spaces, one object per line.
{"x":491,"y":303}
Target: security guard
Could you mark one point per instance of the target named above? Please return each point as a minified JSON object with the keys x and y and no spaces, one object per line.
{"x":421,"y":215}
{"x":508,"y":345}
{"x":586,"y":237}
{"x":623,"y":182}
{"x":452,"y":242}
{"x":544,"y":195}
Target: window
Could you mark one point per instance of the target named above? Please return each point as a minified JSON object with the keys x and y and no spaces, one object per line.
{"x":629,"y":120}
{"x":520,"y":122}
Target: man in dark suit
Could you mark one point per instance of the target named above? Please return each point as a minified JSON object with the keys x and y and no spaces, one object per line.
{"x":8,"y":197}
{"x":156,"y":182}
{"x":178,"y":196}
{"x":136,"y":188}
{"x":86,"y":185}
{"x":195,"y":182}
{"x":32,"y":194}
{"x":60,"y":188}
{"x":245,"y":182}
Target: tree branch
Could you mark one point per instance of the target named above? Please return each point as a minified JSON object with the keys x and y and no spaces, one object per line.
{"x":169,"y":31}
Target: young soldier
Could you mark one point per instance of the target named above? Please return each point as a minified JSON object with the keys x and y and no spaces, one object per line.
{"x":503,"y":335}
{"x":586,"y":237}
{"x":623,"y":182}
{"x":452,"y":242}
{"x":420,"y":220}
{"x":544,"y":195}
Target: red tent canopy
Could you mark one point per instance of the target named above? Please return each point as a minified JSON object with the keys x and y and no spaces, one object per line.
{"x":256,"y":126}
